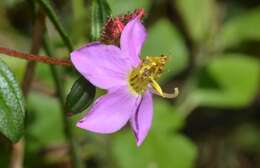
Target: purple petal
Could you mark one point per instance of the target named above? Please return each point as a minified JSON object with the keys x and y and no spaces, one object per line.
{"x":142,"y":119}
{"x":110,"y":112}
{"x":103,"y":65}
{"x":132,"y":39}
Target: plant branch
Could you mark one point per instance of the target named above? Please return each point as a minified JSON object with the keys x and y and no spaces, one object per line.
{"x":33,"y":57}
{"x":38,"y":30}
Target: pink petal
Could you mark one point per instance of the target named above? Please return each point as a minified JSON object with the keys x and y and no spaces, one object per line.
{"x":103,"y":65}
{"x":132,"y":39}
{"x":110,"y":112}
{"x":141,"y":120}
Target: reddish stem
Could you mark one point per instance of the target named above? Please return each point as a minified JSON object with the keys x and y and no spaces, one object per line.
{"x":32,"y":57}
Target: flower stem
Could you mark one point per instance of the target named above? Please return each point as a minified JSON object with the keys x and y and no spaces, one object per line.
{"x":54,"y":19}
{"x":76,"y":160}
{"x":68,"y":129}
{"x":38,"y":30}
{"x":33,"y":57}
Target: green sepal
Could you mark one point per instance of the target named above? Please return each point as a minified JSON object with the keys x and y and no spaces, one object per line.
{"x":80,"y":96}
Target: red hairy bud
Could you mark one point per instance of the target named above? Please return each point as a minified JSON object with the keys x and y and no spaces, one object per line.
{"x":114,"y":26}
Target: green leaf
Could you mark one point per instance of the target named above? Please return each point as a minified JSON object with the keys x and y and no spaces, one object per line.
{"x":11,"y":3}
{"x":158,"y":151}
{"x":81,"y":96}
{"x":12,"y":110}
{"x":17,"y":66}
{"x":44,"y":124}
{"x":198,"y":16}
{"x":164,"y":39}
{"x":163,"y":147}
{"x":121,"y":7}
{"x":165,"y":117}
{"x":238,"y":79}
{"x":99,"y":14}
{"x":241,"y":28}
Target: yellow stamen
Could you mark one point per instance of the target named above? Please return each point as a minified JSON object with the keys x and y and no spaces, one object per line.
{"x":146,"y":74}
{"x":168,"y":95}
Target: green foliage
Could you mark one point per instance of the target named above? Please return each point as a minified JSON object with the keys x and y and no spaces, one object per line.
{"x":99,"y":14}
{"x":81,"y":96}
{"x":79,"y":18}
{"x":45,"y":122}
{"x":121,"y":7}
{"x":158,"y":151}
{"x":17,"y":66}
{"x":198,"y":16}
{"x":163,"y":38}
{"x":237,"y":76}
{"x":165,"y":118}
{"x":12,"y":110}
{"x":163,"y":147}
{"x":241,"y":28}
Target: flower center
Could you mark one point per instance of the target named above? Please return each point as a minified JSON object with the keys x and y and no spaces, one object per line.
{"x":146,"y":73}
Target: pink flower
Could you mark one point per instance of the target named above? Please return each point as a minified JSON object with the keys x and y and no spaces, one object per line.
{"x":127,"y":79}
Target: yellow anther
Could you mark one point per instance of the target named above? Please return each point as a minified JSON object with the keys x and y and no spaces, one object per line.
{"x":146,"y":73}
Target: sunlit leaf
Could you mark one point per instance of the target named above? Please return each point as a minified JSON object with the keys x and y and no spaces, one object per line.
{"x":240,"y":29}
{"x":165,"y":117}
{"x":163,"y":147}
{"x":238,"y":79}
{"x":197,"y":15}
{"x":158,"y":151}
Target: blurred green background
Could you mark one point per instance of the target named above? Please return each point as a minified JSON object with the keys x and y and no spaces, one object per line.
{"x":214,"y":50}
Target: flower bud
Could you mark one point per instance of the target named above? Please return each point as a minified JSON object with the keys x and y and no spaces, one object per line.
{"x":114,"y":26}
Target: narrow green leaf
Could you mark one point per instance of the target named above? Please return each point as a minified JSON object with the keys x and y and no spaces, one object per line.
{"x":99,"y":14}
{"x":58,"y":26}
{"x":12,"y":110}
{"x":81,"y":96}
